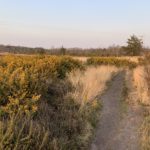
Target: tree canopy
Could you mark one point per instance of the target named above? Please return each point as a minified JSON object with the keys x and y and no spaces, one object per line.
{"x":134,"y":46}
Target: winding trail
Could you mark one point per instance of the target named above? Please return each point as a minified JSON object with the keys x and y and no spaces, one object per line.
{"x":117,"y":130}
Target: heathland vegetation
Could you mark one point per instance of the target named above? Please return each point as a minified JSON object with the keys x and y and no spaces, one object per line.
{"x":43,"y":106}
{"x":49,"y":102}
{"x":52,"y":102}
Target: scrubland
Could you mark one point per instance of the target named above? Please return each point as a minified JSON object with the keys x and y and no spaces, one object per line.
{"x":49,"y":102}
{"x":90,"y":83}
{"x":53,"y":102}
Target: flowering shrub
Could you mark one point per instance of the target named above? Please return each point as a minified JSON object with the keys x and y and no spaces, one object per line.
{"x":24,"y":79}
{"x":111,"y":61}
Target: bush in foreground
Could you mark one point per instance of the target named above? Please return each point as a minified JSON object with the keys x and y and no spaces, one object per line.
{"x":23,"y":80}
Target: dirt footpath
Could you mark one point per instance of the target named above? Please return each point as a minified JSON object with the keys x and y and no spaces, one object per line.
{"x":116,"y":130}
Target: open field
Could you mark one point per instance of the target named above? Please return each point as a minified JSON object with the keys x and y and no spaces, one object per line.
{"x":60,"y":102}
{"x":133,"y":59}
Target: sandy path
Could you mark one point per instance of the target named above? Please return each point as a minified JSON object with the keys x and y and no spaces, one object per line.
{"x":117,"y":131}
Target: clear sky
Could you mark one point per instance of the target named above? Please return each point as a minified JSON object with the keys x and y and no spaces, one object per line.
{"x":73,"y":23}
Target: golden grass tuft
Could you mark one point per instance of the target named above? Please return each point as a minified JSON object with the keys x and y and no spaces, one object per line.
{"x":90,"y":83}
{"x":140,"y":83}
{"x":83,"y":59}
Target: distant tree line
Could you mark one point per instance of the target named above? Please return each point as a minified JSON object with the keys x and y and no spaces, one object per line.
{"x":111,"y":51}
{"x":21,"y":49}
{"x":134,"y":47}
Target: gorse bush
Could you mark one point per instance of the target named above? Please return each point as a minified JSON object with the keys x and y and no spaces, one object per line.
{"x":23,"y":80}
{"x":40,"y":113}
{"x":111,"y":61}
{"x":66,"y":65}
{"x":65,"y":127}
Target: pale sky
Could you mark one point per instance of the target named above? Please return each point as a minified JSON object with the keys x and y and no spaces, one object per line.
{"x":73,"y":23}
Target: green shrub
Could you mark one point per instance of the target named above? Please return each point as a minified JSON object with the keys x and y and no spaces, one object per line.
{"x":111,"y":61}
{"x":24,"y":79}
{"x":66,"y":65}
{"x":41,"y":114}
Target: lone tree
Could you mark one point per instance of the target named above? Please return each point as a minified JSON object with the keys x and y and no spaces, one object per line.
{"x":134,"y":46}
{"x":40,"y":51}
{"x":63,"y":51}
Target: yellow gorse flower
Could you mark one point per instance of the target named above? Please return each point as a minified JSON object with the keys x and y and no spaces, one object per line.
{"x":23,"y":79}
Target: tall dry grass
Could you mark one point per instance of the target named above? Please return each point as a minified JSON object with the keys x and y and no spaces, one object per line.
{"x":145,"y":129}
{"x":83,"y":59}
{"x":140,"y":83}
{"x":20,"y":132}
{"x":87,"y":86}
{"x":132,"y":59}
{"x":91,"y":83}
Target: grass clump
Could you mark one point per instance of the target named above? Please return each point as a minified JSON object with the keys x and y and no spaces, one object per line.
{"x":143,"y":80}
{"x":145,"y":133}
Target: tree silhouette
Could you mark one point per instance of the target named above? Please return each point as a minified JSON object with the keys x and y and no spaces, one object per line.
{"x":134,"y":46}
{"x":63,"y":50}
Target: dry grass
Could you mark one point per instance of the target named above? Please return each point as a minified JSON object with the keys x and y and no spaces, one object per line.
{"x":91,"y":83}
{"x":139,"y":81}
{"x":138,"y":85}
{"x":83,"y":59}
{"x":132,"y":59}
{"x":145,"y":138}
{"x":23,"y":133}
{"x":145,"y":130}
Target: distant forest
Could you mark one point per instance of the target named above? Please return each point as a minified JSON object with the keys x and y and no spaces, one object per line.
{"x":110,"y":51}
